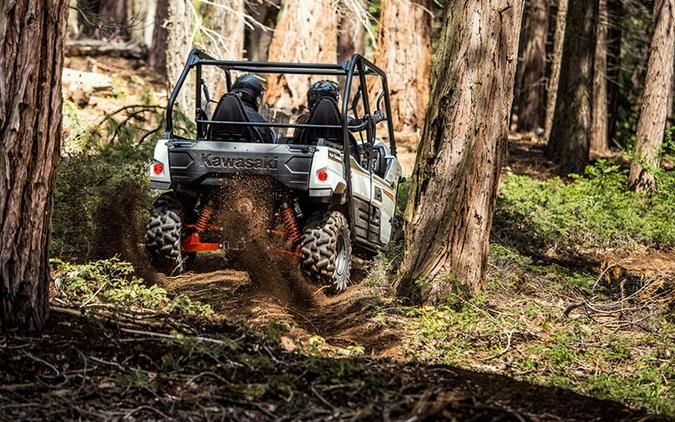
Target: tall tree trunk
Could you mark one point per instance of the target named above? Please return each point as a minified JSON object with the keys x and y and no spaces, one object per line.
{"x":87,"y":17}
{"x":316,"y":21}
{"x":142,"y":17}
{"x":222,"y":36}
{"x":157,"y":53}
{"x":224,"y":33}
{"x":31,"y":62}
{"x":352,"y":34}
{"x":654,"y":111}
{"x":404,"y":52}
{"x":104,"y":18}
{"x":571,"y":128}
{"x":556,"y":63}
{"x":614,"y":38}
{"x":531,"y":99}
{"x":113,"y":19}
{"x":258,"y":40}
{"x":600,"y":106}
{"x":454,"y":186}
{"x":179,"y":42}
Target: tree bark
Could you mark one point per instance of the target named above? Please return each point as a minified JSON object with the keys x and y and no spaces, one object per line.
{"x":454,"y":185}
{"x":531,"y":99}
{"x":224,"y":33}
{"x":614,"y":39}
{"x":222,"y":36}
{"x":556,"y":63}
{"x":179,"y":42}
{"x":306,"y":32}
{"x":31,"y":61}
{"x":654,"y":111}
{"x":114,"y":22}
{"x":571,"y":128}
{"x":142,"y":17}
{"x":157,"y":53}
{"x":107,"y":19}
{"x":351,"y":34}
{"x":87,"y":17}
{"x":600,"y":106}
{"x":258,"y":40}
{"x":404,"y":52}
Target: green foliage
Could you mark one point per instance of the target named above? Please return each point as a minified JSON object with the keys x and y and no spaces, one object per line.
{"x":518,"y":327}
{"x":402,"y":196}
{"x":636,"y":24}
{"x":102,"y":191}
{"x":594,"y":211}
{"x":668,"y":147}
{"x":111,"y":281}
{"x":100,"y":200}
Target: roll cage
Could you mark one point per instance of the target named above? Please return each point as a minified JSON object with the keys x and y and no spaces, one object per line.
{"x":358,"y":66}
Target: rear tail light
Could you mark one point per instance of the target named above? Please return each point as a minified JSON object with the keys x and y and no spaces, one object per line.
{"x":158,"y":168}
{"x":322,"y":175}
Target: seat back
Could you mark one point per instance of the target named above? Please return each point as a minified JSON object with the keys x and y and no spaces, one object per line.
{"x":325,"y":112}
{"x":231,"y":109}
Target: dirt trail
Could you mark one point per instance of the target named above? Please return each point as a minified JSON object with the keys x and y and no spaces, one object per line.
{"x":272,"y":294}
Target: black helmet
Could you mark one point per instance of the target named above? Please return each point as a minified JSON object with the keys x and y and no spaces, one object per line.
{"x":321,"y":89}
{"x":250,"y":89}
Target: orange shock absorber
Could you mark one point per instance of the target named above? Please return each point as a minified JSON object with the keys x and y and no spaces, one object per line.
{"x":204,"y":218}
{"x":291,"y":224}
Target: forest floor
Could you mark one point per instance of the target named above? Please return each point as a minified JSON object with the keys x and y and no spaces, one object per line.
{"x":576,"y":321}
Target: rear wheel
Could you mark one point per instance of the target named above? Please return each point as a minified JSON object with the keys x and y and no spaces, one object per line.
{"x":163,"y":235}
{"x":326,"y":250}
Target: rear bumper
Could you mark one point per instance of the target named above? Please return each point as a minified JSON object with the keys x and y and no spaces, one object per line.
{"x":212,"y":162}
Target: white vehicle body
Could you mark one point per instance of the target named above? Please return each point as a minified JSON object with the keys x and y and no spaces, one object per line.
{"x":373,"y":204}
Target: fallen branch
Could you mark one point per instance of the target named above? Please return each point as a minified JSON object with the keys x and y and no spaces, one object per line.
{"x":94,"y":48}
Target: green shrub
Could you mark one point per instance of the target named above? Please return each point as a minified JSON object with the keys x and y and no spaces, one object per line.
{"x":112,"y":282}
{"x":594,"y":211}
{"x":101,"y":197}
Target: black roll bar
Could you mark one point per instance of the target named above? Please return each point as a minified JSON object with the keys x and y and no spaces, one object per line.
{"x":356,"y":66}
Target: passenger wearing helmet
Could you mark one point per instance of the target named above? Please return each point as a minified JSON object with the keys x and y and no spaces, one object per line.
{"x":250,"y":90}
{"x":318,"y":90}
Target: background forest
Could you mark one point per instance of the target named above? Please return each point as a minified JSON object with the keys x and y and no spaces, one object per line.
{"x":536,"y":280}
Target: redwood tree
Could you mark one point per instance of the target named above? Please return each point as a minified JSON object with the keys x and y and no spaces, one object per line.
{"x":305,"y":32}
{"x":600,"y":103}
{"x":404,"y":52}
{"x":556,"y":63}
{"x":31,"y":61}
{"x":179,"y":42}
{"x":531,"y":99}
{"x":454,"y":185}
{"x":258,"y":40}
{"x":352,"y":34}
{"x":157,"y":52}
{"x":569,"y":142}
{"x":654,"y":111}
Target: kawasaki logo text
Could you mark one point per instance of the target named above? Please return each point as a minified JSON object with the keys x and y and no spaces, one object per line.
{"x":240,"y":163}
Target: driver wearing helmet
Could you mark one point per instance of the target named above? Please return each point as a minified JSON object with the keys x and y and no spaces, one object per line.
{"x":319,"y":90}
{"x":250,"y":90}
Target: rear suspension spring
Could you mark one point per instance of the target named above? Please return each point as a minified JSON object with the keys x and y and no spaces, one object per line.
{"x":204,"y":218}
{"x":291,"y":224}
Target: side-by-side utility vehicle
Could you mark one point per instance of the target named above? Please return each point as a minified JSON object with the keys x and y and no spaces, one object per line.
{"x":334,"y":178}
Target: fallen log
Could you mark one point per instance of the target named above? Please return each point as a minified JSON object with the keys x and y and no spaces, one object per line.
{"x":95,"y":48}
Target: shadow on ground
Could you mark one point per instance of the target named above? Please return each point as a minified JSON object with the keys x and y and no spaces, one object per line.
{"x":77,"y":369}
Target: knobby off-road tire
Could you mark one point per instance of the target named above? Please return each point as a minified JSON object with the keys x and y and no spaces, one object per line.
{"x":326,"y":250}
{"x":163,"y":235}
